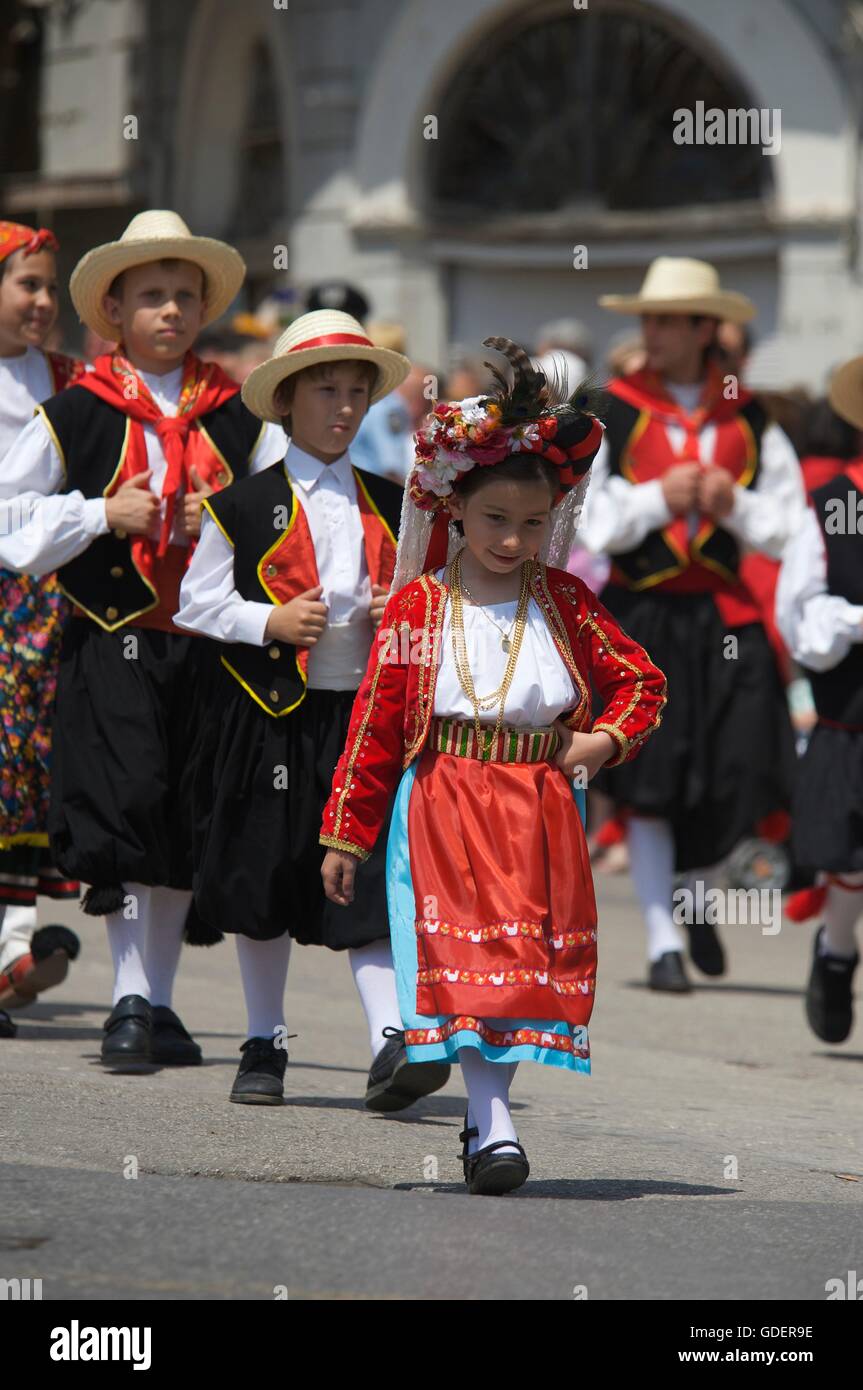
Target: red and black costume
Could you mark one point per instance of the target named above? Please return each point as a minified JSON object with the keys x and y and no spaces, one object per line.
{"x":723,"y":761}
{"x":265,"y":762}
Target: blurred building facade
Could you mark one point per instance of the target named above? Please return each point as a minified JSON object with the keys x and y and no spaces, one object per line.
{"x":476,"y":166}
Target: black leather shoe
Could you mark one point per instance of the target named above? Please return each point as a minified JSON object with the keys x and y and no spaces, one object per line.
{"x":126,"y":1044}
{"x":668,"y":974}
{"x":829,"y":999}
{"x":705,"y":948}
{"x":394,"y":1082}
{"x":170,"y":1044}
{"x":8,"y":1029}
{"x":489,"y":1173}
{"x":261,"y":1074}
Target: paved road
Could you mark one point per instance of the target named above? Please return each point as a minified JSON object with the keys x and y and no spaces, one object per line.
{"x":632,"y":1194}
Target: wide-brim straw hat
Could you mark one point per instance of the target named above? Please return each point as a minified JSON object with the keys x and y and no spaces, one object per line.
{"x":325,"y":335}
{"x":154,"y":236}
{"x":679,"y":285}
{"x":846,"y":392}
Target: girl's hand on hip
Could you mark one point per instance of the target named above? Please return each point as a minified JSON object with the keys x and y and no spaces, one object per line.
{"x":579,"y":751}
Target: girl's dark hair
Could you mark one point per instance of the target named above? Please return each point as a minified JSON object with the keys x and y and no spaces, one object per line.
{"x":515,"y":468}
{"x":826,"y":433}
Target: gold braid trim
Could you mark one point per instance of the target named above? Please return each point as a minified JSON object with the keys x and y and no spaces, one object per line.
{"x":333,"y":842}
{"x":340,"y":805}
{"x":561,"y":638}
{"x":613,"y":727}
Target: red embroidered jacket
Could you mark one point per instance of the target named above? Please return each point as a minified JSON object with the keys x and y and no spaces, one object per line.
{"x":395,"y":702}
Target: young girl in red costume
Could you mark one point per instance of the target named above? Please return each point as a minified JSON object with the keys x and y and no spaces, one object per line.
{"x":32,"y":616}
{"x":477,"y":696}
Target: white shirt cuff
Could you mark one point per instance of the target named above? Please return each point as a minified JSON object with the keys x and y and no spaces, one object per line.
{"x":251,"y":620}
{"x":94,"y":519}
{"x":653,"y":506}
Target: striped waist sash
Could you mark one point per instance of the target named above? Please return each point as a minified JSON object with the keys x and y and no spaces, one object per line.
{"x":523,"y":745}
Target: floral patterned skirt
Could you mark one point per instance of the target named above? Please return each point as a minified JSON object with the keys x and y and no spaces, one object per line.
{"x":32,"y":616}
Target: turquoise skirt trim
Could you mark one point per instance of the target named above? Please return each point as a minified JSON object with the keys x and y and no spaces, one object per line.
{"x":402,"y":913}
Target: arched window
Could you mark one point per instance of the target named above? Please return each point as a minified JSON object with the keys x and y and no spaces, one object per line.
{"x":259,"y":203}
{"x":575,"y":111}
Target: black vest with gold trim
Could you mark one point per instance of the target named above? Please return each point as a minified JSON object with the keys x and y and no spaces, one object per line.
{"x":665,"y":555}
{"x":91,"y":436}
{"x":838,"y":505}
{"x":274,"y":561}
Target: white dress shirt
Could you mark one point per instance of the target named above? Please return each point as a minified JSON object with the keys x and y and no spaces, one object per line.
{"x":819,"y":628}
{"x":210,"y":603}
{"x":619,"y":514}
{"x":42,"y":529}
{"x":542,"y":688}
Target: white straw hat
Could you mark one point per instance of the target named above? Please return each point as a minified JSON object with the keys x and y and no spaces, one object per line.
{"x":325,"y":335}
{"x":846,"y":392}
{"x":678,"y":285}
{"x":154,"y":236}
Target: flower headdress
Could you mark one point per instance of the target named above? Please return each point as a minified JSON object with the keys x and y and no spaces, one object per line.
{"x":525,"y":413}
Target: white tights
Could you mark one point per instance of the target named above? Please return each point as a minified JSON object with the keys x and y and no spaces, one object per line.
{"x":488,"y":1086}
{"x":146,"y":947}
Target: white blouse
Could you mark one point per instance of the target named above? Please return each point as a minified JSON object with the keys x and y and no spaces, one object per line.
{"x":542,"y":688}
{"x":25,"y":381}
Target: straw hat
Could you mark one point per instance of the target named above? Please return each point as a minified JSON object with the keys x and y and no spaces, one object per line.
{"x":678,"y":285}
{"x":154,"y":236}
{"x":326,"y":335}
{"x":846,"y":392}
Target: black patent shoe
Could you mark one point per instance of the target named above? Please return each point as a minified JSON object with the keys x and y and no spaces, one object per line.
{"x":170,"y":1044}
{"x":705,"y":948}
{"x":126,"y":1044}
{"x":468,"y":1133}
{"x":489,"y":1173}
{"x":261,"y":1075}
{"x":829,"y":998}
{"x":668,"y":974}
{"x":394,"y":1082}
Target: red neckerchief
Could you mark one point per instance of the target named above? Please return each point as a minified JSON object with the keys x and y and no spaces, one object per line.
{"x":646,"y":390}
{"x":205,"y":387}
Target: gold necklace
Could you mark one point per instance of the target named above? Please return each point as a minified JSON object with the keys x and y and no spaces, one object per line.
{"x":505,"y":637}
{"x":462,"y":664}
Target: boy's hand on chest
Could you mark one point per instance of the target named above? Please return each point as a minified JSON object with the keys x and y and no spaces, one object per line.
{"x":300,"y":621}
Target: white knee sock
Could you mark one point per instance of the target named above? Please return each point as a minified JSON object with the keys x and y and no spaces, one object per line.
{"x":17,"y":925}
{"x":488,"y":1097}
{"x":375,"y":979}
{"x":264,"y":970}
{"x":508,"y":1071}
{"x":166,"y":913}
{"x":127,"y":938}
{"x":841,"y":910}
{"x":651,"y":859}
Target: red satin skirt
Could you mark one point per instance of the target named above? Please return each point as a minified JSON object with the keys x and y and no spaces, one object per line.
{"x":505,"y":909}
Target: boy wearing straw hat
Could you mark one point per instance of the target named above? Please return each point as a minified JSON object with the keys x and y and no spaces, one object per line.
{"x":819,"y":609}
{"x":291,"y":578}
{"x":114,"y":471}
{"x":691,"y":474}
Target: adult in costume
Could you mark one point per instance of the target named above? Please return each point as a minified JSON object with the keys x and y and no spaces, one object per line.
{"x":492,"y":912}
{"x":691,"y":474}
{"x":819,"y":608}
{"x":32,"y":616}
{"x":144,"y":436}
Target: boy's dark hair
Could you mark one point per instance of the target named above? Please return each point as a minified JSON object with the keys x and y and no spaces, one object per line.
{"x":318,"y":371}
{"x":516,"y":468}
{"x":115,"y":289}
